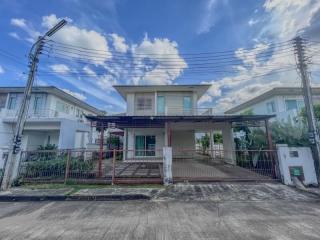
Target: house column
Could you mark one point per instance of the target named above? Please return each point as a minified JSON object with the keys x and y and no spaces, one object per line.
{"x":268,"y":134}
{"x":228,"y":143}
{"x":211,"y":134}
{"x":167,"y":135}
{"x":101,"y":150}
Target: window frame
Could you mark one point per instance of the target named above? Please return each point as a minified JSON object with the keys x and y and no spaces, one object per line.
{"x":15,"y":97}
{"x":139,"y":152}
{"x":286,"y":104}
{"x":164,"y":105}
{"x":273,"y":107}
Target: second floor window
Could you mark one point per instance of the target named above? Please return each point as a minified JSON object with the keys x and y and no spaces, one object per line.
{"x":12,"y":101}
{"x":187,"y":104}
{"x":62,"y":107}
{"x":38,"y":104}
{"x":3,"y":100}
{"x":293,"y":104}
{"x":271,"y":107}
{"x":144,"y":103}
{"x":160,"y":105}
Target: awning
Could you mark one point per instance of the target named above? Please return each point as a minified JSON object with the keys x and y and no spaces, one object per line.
{"x":159,"y":121}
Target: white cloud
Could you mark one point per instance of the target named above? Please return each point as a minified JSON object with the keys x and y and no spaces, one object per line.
{"x":284,"y":20}
{"x":60,"y":68}
{"x":162,"y":70}
{"x":18,"y":22}
{"x":84,"y":38}
{"x":104,"y":82}
{"x":14,"y":35}
{"x":22,"y":24}
{"x":1,"y":70}
{"x":119,"y":43}
{"x":205,"y":98}
{"x":209,"y":16}
{"x":252,"y":22}
{"x":289,"y":17}
{"x":80,"y":96}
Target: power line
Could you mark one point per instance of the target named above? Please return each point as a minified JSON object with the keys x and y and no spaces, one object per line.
{"x":168,"y":54}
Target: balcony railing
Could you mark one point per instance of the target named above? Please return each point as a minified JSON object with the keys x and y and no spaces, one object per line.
{"x":39,"y":114}
{"x":176,"y":111}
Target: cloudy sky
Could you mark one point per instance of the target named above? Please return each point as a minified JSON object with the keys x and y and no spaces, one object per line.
{"x":242,"y":48}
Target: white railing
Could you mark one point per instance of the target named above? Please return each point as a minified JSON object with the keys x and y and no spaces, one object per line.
{"x":174,"y":111}
{"x":39,"y":113}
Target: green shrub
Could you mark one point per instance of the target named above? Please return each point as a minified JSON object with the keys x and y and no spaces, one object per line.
{"x":56,"y":167}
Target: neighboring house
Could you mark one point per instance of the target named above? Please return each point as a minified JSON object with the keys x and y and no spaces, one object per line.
{"x":54,"y":117}
{"x":168,"y":115}
{"x":285,"y":102}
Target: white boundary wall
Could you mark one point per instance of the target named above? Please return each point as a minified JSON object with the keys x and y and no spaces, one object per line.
{"x":296,"y":157}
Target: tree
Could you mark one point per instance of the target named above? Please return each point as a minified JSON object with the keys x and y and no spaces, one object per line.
{"x":287,"y":133}
{"x":205,"y":142}
{"x":282,"y":133}
{"x":217,"y":138}
{"x":303,"y":113}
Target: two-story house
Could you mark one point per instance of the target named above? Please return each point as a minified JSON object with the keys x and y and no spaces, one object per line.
{"x":54,"y":117}
{"x":285,"y":102}
{"x":168,"y":115}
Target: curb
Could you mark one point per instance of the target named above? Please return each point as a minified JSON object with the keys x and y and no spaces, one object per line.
{"x":21,"y":198}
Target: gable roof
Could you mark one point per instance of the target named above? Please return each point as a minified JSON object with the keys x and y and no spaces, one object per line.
{"x":279,"y":91}
{"x":57,"y":92}
{"x":199,"y":88}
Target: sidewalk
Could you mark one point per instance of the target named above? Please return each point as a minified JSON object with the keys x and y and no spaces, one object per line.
{"x":77,"y":193}
{"x":215,"y":192}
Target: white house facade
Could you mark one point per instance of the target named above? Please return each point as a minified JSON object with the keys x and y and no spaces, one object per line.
{"x":284,"y":102}
{"x":54,"y":117}
{"x":166,"y":115}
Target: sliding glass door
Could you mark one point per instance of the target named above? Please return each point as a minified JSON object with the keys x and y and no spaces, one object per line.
{"x":145,"y":145}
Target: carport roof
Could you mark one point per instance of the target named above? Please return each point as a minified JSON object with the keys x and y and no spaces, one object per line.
{"x":159,"y":121}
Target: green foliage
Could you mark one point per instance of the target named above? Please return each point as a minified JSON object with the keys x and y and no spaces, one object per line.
{"x":205,"y":142}
{"x":56,"y":166}
{"x":282,"y":133}
{"x":293,"y":135}
{"x":217,"y":138}
{"x":47,"y":147}
{"x":247,"y":112}
{"x":303,"y":113}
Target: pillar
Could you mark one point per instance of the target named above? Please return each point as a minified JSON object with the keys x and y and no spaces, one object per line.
{"x":268,"y":135}
{"x":211,"y":153}
{"x":228,"y":144}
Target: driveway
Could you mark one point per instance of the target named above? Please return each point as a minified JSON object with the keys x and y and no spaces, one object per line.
{"x":279,"y":213}
{"x":194,"y":168}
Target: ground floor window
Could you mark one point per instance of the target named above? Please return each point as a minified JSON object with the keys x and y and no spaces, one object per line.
{"x":145,"y":145}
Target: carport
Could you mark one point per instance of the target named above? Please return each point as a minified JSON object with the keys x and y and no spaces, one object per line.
{"x":188,"y":163}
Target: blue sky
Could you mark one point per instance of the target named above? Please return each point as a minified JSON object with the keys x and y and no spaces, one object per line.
{"x":130,"y":33}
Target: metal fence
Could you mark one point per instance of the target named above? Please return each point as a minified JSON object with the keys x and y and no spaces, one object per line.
{"x":65,"y":165}
{"x":3,"y":167}
{"x":138,"y":166}
{"x":112,"y":166}
{"x":216,"y":165}
{"x":146,"y":166}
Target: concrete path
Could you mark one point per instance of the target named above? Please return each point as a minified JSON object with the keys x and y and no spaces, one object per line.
{"x":205,"y":168}
{"x":176,"y":213}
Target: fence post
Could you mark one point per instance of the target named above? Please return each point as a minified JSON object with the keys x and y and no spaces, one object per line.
{"x":113,"y":166}
{"x":167,"y":165}
{"x":66,"y":175}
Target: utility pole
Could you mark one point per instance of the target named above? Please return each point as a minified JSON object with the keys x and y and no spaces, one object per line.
{"x":314,"y":138}
{"x":13,"y":161}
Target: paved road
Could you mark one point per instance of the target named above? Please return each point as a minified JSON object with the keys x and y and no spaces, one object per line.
{"x":284,"y":214}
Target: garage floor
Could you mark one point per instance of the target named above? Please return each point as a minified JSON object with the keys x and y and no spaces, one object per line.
{"x":202,"y":169}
